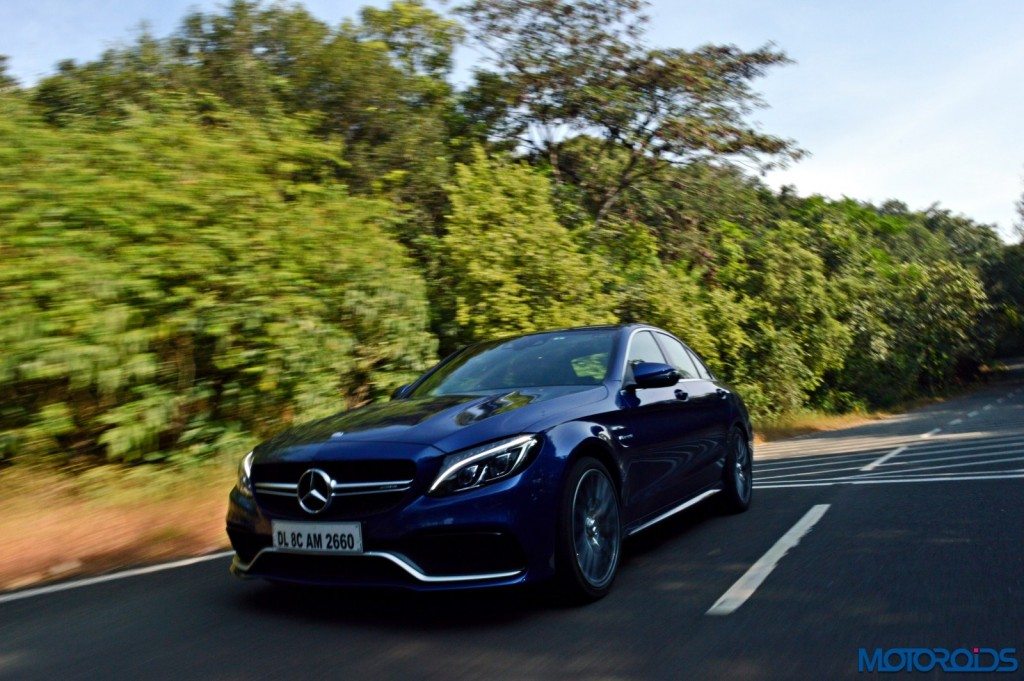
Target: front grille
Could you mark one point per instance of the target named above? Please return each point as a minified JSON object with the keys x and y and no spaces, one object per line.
{"x":361,"y":488}
{"x":367,"y":470}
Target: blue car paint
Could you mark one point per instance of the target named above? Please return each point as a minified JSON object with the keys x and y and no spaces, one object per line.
{"x":661,"y":449}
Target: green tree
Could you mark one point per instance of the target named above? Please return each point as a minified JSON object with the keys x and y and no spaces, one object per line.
{"x":507,"y":265}
{"x":172,"y":290}
{"x":580,"y":66}
{"x":1019,"y":225}
{"x":7,"y":83}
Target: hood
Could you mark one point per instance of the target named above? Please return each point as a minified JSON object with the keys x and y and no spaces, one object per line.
{"x":447,"y":422}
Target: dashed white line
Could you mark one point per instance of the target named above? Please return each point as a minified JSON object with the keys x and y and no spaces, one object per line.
{"x":89,"y":581}
{"x":972,"y":414}
{"x":955,"y":422}
{"x":1000,"y":400}
{"x":882,"y":459}
{"x":746,"y":585}
{"x":928,"y":467}
{"x":933,"y":431}
{"x":1010,"y":475}
{"x":987,"y":407}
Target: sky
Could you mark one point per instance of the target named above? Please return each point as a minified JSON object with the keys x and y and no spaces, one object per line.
{"x":916,"y":100}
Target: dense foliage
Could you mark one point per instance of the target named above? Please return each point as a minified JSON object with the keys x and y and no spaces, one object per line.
{"x":263,"y":218}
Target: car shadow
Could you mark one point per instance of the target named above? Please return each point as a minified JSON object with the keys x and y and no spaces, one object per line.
{"x":449,"y":610}
{"x":396,"y":608}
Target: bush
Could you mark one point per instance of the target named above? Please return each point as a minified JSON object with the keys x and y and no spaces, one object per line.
{"x":172,"y":289}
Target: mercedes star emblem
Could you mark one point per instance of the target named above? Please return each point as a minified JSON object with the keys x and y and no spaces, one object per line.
{"x":314,"y":491}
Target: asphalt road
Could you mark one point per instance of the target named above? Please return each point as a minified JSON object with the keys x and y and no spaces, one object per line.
{"x":919,"y":548}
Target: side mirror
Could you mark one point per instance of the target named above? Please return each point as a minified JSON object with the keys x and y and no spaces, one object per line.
{"x":401,"y":391}
{"x":654,"y":375}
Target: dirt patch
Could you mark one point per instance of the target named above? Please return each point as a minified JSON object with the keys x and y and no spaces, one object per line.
{"x":54,"y":525}
{"x":812,"y":423}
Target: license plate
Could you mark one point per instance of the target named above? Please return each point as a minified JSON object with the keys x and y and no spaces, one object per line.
{"x":322,"y":538}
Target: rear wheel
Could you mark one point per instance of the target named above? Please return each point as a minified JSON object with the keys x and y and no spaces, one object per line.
{"x":589,"y":532}
{"x":737,"y":478}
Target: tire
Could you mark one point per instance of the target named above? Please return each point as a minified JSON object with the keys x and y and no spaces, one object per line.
{"x":737,"y":477}
{"x":589,"y":533}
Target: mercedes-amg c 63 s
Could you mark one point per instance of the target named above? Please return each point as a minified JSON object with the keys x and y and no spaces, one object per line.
{"x":514,"y":461}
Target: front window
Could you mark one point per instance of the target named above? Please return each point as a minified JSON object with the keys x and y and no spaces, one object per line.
{"x":643,"y":348}
{"x":561,"y":358}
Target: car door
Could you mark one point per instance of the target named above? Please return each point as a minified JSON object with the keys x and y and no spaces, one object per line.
{"x":655,"y":435}
{"x":706,"y":412}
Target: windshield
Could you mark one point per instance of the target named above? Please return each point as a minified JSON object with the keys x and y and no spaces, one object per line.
{"x":563,"y":358}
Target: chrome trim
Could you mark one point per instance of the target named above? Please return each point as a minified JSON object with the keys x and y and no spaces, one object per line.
{"x":401,"y":561}
{"x":390,"y":490}
{"x":672,"y":511}
{"x":289,"y":489}
{"x":655,"y":330}
{"x":286,"y":486}
{"x":629,"y":343}
{"x":350,"y":485}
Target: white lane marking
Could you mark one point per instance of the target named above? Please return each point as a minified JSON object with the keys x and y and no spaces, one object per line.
{"x":986,"y":407}
{"x":931,"y":448}
{"x":928,"y":467}
{"x":933,"y":431}
{"x":969,"y":441}
{"x":1012,"y":475}
{"x":788,"y":476}
{"x":955,"y":422}
{"x":882,"y":459}
{"x":1000,"y":400}
{"x":899,"y":475}
{"x":821,"y":459}
{"x":837,"y":460}
{"x":915,"y":457}
{"x":916,"y":460}
{"x":924,"y":466}
{"x":972,"y":414}
{"x":745,"y":586}
{"x":89,"y":581}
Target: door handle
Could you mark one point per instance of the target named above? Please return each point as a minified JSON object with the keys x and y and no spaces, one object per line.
{"x":682,"y":395}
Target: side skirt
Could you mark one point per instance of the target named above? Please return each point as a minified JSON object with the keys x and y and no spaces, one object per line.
{"x":672,"y":511}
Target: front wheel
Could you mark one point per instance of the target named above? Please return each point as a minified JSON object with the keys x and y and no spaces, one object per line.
{"x":589,"y":532}
{"x":737,"y":478}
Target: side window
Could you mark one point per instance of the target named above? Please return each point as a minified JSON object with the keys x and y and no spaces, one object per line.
{"x":702,"y":369}
{"x":678,"y":356}
{"x":643,"y":348}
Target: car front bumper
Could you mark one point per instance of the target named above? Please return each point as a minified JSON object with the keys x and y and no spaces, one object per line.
{"x":499,"y":535}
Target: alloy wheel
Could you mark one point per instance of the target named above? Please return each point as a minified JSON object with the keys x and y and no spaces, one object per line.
{"x":596,"y":529}
{"x":742,"y":469}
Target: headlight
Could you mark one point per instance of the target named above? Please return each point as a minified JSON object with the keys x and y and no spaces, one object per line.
{"x":244,"y":469}
{"x":481,"y":465}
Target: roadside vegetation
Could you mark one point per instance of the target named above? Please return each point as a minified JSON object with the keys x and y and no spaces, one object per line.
{"x":262,"y":219}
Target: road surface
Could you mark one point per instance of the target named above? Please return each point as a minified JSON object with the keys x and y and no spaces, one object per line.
{"x":904,"y":532}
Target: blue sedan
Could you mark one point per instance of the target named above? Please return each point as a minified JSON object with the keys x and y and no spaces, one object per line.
{"x":521,"y":460}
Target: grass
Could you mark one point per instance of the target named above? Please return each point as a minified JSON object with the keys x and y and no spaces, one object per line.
{"x":804,"y":422}
{"x":55,"y":524}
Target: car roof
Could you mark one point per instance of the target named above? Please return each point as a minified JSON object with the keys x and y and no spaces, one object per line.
{"x":592,"y":327}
